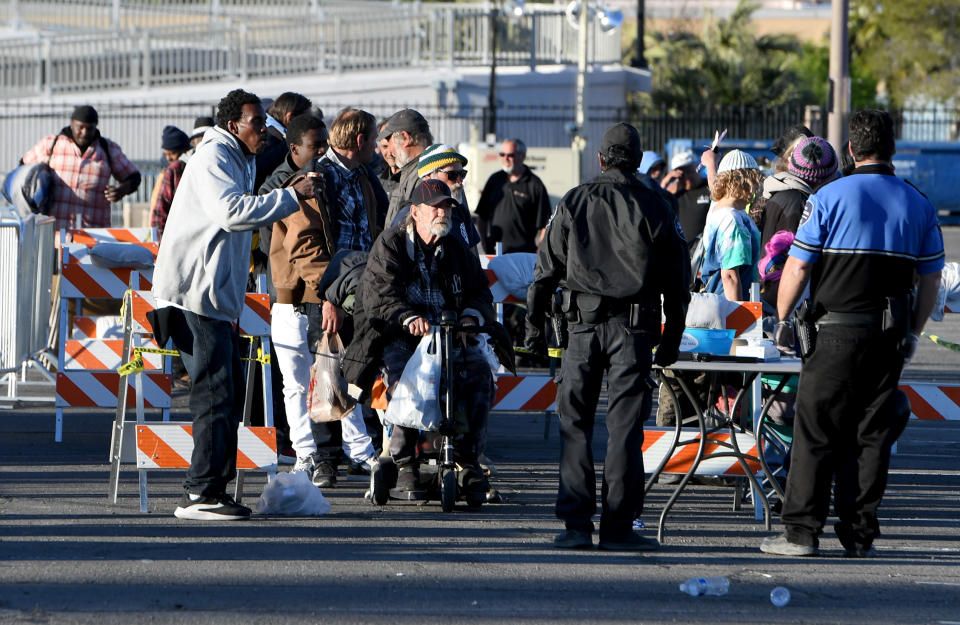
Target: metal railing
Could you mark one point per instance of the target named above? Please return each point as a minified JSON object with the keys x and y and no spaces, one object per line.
{"x":324,"y":42}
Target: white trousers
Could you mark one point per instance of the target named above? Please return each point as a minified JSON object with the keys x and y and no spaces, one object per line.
{"x":288,"y":328}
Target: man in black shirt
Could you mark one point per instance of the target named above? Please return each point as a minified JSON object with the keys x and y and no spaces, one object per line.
{"x":692,"y":193}
{"x":514,"y":206}
{"x":615,"y":247}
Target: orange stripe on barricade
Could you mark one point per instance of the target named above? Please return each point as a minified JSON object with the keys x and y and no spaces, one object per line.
{"x":142,"y":302}
{"x":378,"y":395}
{"x":933,"y":402}
{"x":744,"y":317}
{"x":90,"y":389}
{"x":505,"y":384}
{"x":656,"y":443}
{"x":544,"y":398}
{"x":84,"y":282}
{"x":84,"y":328}
{"x":919,"y":406}
{"x":255,"y":317}
{"x":162,"y":454}
{"x":170,"y":446}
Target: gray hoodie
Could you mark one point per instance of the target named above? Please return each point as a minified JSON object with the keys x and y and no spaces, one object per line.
{"x":205,"y":254}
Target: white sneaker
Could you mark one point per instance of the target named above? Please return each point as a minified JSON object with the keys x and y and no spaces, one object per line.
{"x":304,"y":464}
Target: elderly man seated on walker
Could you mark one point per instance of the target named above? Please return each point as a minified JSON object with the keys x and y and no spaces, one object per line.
{"x":415,"y":272}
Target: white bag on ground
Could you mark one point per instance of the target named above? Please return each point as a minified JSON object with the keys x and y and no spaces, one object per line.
{"x":327,"y":397}
{"x":292,"y":494}
{"x":415,"y":400}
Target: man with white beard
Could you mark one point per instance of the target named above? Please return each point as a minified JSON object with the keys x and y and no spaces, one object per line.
{"x":414,"y":273}
{"x":409,"y":135}
{"x":514,"y":206}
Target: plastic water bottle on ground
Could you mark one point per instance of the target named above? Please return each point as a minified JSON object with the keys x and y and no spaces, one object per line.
{"x":779,"y":596}
{"x":696,"y":586}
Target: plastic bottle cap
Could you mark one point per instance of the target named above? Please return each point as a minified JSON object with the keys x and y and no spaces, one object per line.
{"x":779,"y":596}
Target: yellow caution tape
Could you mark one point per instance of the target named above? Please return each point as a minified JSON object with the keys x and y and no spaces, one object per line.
{"x":136,"y":363}
{"x":943,"y":342}
{"x":263,"y":359}
{"x":553,"y":352}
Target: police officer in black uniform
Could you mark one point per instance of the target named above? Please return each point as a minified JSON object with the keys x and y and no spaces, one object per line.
{"x":861,"y":244}
{"x":614,"y":246}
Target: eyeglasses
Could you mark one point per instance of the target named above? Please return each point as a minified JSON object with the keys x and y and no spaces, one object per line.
{"x":460,"y":174}
{"x":508,"y":155}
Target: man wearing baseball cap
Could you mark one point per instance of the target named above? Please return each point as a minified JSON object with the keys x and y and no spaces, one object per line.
{"x":409,"y":135}
{"x":612,"y":278}
{"x":415,"y":272}
{"x":692,"y":193}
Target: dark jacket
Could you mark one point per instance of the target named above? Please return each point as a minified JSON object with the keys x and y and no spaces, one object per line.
{"x":616,"y":238}
{"x":400,"y":196}
{"x":782,"y":212}
{"x":303,"y":243}
{"x":383,"y":302}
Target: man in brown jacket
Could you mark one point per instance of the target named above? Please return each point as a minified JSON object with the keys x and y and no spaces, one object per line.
{"x":346,"y":214}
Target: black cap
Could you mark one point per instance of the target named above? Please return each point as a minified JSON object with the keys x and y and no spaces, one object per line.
{"x":622,"y":140}
{"x":174,"y":139}
{"x":433,"y":192}
{"x":201,"y":125}
{"x":406,"y":120}
{"x":86,"y":114}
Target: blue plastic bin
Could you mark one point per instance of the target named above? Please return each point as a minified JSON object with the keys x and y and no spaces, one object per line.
{"x":707,"y":340}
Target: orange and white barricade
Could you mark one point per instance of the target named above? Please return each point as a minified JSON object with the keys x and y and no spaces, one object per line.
{"x":933,"y":402}
{"x":87,"y":364}
{"x":167,"y":444}
{"x":658,"y":450}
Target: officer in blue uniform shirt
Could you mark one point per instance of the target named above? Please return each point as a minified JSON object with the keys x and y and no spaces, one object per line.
{"x":864,"y":242}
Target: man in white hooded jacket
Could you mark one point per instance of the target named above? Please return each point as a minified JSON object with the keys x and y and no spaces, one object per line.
{"x":199,"y":283}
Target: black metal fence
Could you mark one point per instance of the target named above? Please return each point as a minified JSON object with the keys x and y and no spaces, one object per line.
{"x":137,"y":126}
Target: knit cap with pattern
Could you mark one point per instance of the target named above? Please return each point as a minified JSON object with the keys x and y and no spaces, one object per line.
{"x":437,"y":156}
{"x":814,"y":161}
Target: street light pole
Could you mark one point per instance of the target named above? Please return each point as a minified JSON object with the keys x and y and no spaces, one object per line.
{"x":491,"y":128}
{"x":580,"y":139}
{"x":639,"y":59}
{"x":839,"y":76}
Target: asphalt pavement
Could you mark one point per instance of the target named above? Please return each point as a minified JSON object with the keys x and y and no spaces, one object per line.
{"x":67,"y":555}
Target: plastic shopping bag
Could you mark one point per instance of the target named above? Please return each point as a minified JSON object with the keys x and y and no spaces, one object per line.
{"x":415,"y":400}
{"x":327,"y":396}
{"x":292,"y":494}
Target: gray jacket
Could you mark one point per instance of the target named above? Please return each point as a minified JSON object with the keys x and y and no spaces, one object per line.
{"x":205,"y":254}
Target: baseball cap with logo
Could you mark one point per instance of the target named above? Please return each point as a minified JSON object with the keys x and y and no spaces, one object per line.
{"x":433,"y":192}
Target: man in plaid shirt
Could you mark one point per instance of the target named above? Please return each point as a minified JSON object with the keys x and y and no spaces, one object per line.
{"x":83,"y":162}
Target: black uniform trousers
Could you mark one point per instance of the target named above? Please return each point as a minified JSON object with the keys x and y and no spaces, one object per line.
{"x":846,"y":423}
{"x":625,"y":355}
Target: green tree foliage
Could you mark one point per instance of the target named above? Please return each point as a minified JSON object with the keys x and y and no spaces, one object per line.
{"x":912,"y":48}
{"x":726,"y":64}
{"x":813,"y":68}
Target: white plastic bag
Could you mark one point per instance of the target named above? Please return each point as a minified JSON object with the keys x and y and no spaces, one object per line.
{"x":327,"y":396}
{"x":292,"y":494}
{"x":515,"y":271}
{"x":415,"y":400}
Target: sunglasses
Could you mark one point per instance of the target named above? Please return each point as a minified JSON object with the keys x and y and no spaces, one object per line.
{"x":454,"y":175}
{"x":508,"y":155}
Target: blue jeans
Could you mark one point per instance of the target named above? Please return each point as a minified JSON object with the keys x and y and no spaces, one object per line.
{"x":216,"y":402}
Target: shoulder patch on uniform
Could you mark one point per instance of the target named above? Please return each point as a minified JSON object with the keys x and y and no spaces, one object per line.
{"x":463,"y":233}
{"x":807,"y":210}
{"x":679,"y":229}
